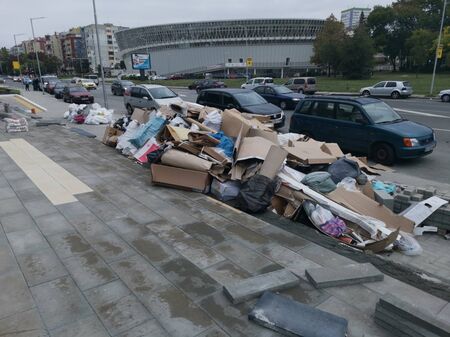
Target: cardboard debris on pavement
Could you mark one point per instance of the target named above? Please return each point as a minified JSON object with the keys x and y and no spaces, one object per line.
{"x":192,"y":150}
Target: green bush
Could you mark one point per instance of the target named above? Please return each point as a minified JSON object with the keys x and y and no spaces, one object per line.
{"x":8,"y":91}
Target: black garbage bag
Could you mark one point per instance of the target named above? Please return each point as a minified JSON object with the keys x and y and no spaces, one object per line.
{"x":256,"y":194}
{"x":343,"y":168}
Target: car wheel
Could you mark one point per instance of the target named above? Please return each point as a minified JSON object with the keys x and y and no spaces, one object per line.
{"x":366,"y":93}
{"x":301,"y":91}
{"x":395,"y":95}
{"x":198,"y":90}
{"x":283,"y":105}
{"x":383,"y":153}
{"x":113,"y":92}
{"x":130,"y":109}
{"x":445,"y":98}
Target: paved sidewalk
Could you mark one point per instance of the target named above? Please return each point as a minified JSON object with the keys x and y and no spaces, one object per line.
{"x":132,"y":259}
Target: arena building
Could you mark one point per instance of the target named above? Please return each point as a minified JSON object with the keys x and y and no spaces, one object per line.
{"x":274,"y":46}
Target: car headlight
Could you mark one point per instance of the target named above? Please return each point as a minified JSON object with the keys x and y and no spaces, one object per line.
{"x":296,"y":99}
{"x":410,"y":142}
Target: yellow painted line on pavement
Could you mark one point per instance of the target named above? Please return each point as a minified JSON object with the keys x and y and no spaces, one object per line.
{"x":27,"y":104}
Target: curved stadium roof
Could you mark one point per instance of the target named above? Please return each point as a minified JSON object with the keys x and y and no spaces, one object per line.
{"x":227,"y":32}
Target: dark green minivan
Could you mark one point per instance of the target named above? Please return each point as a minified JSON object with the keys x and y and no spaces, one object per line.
{"x":362,"y":125}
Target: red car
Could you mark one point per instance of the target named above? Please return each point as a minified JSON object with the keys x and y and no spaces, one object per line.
{"x":50,"y":88}
{"x":78,"y":95}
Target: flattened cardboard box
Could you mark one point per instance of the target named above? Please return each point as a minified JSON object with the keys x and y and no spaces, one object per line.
{"x":110,"y":132}
{"x":140,"y":115}
{"x":310,"y":152}
{"x":180,"y":178}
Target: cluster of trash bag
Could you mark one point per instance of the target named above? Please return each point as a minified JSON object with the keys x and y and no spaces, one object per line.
{"x":96,"y":115}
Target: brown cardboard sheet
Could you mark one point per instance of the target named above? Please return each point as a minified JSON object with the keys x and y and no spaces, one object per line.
{"x":180,"y":178}
{"x":185,"y":160}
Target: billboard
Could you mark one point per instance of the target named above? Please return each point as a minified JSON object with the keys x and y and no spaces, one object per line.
{"x":140,"y":61}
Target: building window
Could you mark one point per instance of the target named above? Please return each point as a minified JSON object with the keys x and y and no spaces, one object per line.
{"x":230,"y":60}
{"x":110,"y":53}
{"x":110,"y":42}
{"x":241,"y":60}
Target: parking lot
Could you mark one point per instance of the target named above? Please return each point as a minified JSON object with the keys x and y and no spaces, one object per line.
{"x":433,"y":169}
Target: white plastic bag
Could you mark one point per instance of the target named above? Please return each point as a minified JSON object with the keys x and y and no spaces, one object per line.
{"x":284,"y":138}
{"x":321,"y":215}
{"x":66,"y":114}
{"x":408,"y":245}
{"x":213,"y":120}
{"x":349,"y":184}
{"x":123,"y":142}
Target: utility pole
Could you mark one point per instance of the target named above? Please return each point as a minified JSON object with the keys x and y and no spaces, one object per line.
{"x":437,"y":48}
{"x":35,"y":50}
{"x":100,"y":56}
{"x":17,"y":52}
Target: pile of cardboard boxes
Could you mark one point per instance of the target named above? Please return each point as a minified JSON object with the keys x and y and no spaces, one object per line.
{"x":221,"y":158}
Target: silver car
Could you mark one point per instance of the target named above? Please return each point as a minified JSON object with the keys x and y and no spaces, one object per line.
{"x":393,"y":89}
{"x":148,"y":96}
{"x":444,"y":95}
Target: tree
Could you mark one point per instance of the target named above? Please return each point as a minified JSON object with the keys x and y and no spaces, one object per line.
{"x":328,"y":45}
{"x":421,"y":47}
{"x":6,"y":61}
{"x":358,"y":51}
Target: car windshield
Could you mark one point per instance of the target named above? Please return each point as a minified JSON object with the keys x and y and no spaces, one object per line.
{"x":282,"y":90}
{"x":86,"y":81}
{"x":249,"y":98}
{"x":380,"y":112}
{"x":50,"y":78}
{"x":78,"y":89}
{"x":127,"y":83}
{"x":60,"y":85}
{"x":162,"y":92}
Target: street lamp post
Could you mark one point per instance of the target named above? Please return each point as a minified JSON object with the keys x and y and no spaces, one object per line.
{"x":100,"y":56}
{"x":35,"y":50}
{"x":437,"y":48}
{"x":17,"y":52}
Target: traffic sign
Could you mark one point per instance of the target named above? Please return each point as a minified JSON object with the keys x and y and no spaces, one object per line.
{"x":439,"y":52}
{"x":16,"y":65}
{"x":249,"y":62}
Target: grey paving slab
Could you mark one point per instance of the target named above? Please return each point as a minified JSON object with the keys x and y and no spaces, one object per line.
{"x":75,"y":212}
{"x":198,"y":253}
{"x":91,"y":227}
{"x":7,"y":259}
{"x":167,"y":231}
{"x":17,"y":222}
{"x":88,"y":326}
{"x":7,"y":193}
{"x":27,"y":241}
{"x":188,"y":277}
{"x":232,"y":318}
{"x":367,"y":299}
{"x":139,"y":275}
{"x":252,"y":287}
{"x":41,"y":266}
{"x":204,"y":233}
{"x":11,"y":206}
{"x":68,"y":244}
{"x":213,"y":332}
{"x":284,"y":238}
{"x":249,"y":237}
{"x":178,"y":315}
{"x":153,"y":249}
{"x":244,"y":257}
{"x":23,"y":324}
{"x":53,"y":223}
{"x":296,"y":319}
{"x":305,"y":293}
{"x":444,"y":314}
{"x":105,"y":210}
{"x":148,"y":329}
{"x":88,"y":270}
{"x":30,"y":194}
{"x":14,"y":295}
{"x":40,"y":207}
{"x":117,"y":307}
{"x":289,"y":259}
{"x":343,"y":275}
{"x":128,"y":229}
{"x":323,"y":256}
{"x":21,"y":184}
{"x":60,"y":302}
{"x":142,"y":214}
{"x":226,"y":272}
{"x":111,"y":247}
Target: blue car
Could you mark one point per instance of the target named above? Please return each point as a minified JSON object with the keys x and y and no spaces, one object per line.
{"x":362,"y":125}
{"x":280,"y":95}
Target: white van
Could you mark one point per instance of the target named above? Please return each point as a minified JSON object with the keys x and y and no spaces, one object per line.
{"x":257,"y":81}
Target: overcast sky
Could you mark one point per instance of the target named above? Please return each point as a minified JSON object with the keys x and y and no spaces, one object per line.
{"x":64,"y":14}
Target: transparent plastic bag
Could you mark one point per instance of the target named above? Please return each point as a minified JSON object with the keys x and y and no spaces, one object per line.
{"x":408,"y":245}
{"x":348,"y":183}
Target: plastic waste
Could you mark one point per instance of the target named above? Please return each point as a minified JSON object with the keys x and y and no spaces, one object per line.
{"x":319,"y":182}
{"x":284,"y":138}
{"x":226,"y":143}
{"x":334,"y":227}
{"x":147,"y":131}
{"x":213,"y":120}
{"x":381,"y":186}
{"x":408,"y":245}
{"x":343,"y":168}
{"x":349,"y":184}
{"x":123,"y":142}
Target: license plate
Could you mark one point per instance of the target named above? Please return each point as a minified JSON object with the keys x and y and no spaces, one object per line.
{"x":429,"y":148}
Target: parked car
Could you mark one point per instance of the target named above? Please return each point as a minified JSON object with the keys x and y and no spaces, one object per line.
{"x":206,"y":84}
{"x":444,"y":95}
{"x":2,"y":80}
{"x":158,"y":77}
{"x":78,"y":95}
{"x":393,"y":89}
{"x":87,"y":83}
{"x":46,"y":79}
{"x":254,"y":82}
{"x":280,"y":95}
{"x":302,"y":85}
{"x":176,"y":77}
{"x":16,"y":79}
{"x":94,"y":78}
{"x":362,"y":125}
{"x":148,"y":96}
{"x":243,"y":100}
{"x":118,"y":87}
{"x":59,"y":88}
{"x":51,"y":86}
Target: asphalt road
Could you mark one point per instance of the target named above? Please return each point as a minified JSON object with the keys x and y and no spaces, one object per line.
{"x":433,"y":113}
